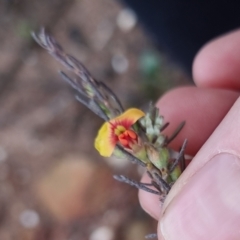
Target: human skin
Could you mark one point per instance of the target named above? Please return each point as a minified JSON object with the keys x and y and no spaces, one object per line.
{"x":204,"y":203}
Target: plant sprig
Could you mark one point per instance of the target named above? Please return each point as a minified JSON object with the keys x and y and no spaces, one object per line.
{"x":146,"y":145}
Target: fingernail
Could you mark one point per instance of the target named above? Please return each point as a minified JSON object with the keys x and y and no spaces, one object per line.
{"x":208,"y":206}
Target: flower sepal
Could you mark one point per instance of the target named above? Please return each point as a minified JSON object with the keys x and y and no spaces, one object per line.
{"x":175,"y":174}
{"x":140,"y":152}
{"x":159,"y":158}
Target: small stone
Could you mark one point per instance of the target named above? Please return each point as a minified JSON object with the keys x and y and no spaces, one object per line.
{"x":101,"y":233}
{"x":119,"y":63}
{"x":126,"y":20}
{"x":75,"y":188}
{"x":29,"y":219}
{"x":137,"y":230}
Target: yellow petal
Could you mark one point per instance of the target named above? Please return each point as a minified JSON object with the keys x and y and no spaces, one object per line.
{"x":131,"y":115}
{"x":103,"y":142}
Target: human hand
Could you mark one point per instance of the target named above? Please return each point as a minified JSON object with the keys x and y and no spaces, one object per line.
{"x":204,"y":204}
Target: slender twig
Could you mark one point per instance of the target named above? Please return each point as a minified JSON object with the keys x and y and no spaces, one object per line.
{"x":138,"y":185}
{"x":180,"y":156}
{"x":164,"y":126}
{"x":131,"y":157}
{"x":161,"y":182}
{"x":176,"y":132}
{"x":103,"y":102}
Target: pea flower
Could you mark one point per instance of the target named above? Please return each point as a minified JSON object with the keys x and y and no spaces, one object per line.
{"x":118,"y":130}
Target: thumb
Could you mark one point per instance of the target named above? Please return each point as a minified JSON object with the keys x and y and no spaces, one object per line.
{"x":205,"y":201}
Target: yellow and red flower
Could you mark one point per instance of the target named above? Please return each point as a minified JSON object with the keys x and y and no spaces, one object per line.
{"x":118,"y":130}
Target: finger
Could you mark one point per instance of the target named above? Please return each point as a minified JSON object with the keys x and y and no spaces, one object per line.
{"x":204,"y":202}
{"x":149,"y":202}
{"x":201,"y":109}
{"x":201,"y":119}
{"x":217,"y":63}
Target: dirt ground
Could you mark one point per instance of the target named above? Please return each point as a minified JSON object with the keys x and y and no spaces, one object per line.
{"x":53,"y":183}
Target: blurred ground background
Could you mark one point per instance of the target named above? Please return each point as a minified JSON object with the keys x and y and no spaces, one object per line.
{"x":53,"y":184}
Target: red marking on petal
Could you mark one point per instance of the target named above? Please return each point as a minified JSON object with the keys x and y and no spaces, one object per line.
{"x":123,"y":141}
{"x":132,"y":134}
{"x":126,"y":133}
{"x":121,"y":136}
